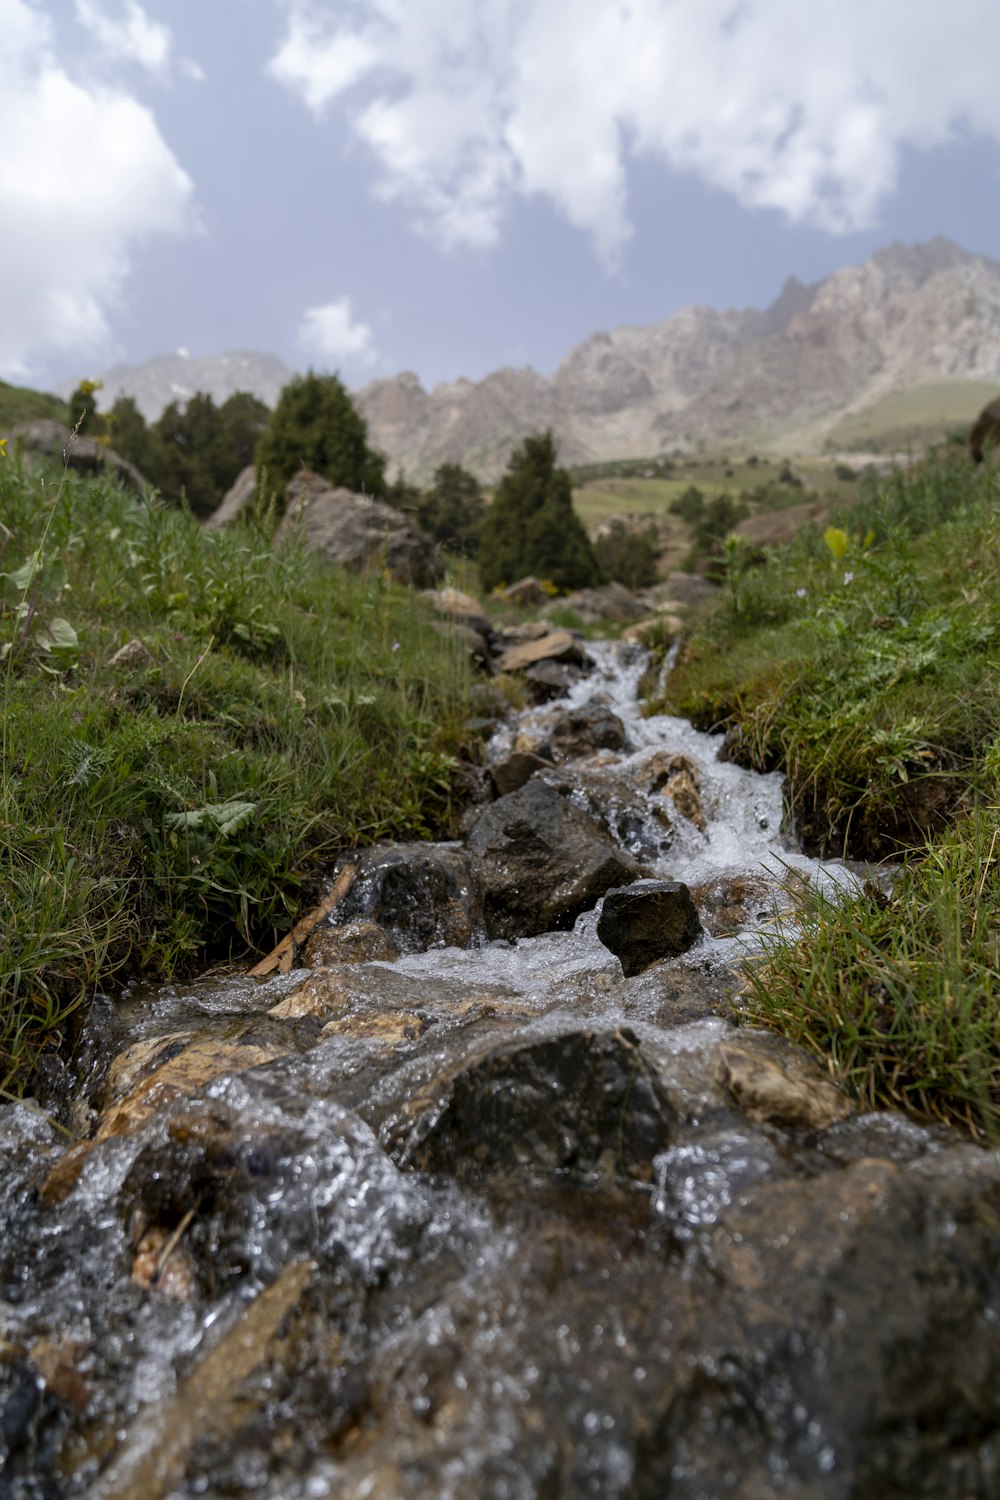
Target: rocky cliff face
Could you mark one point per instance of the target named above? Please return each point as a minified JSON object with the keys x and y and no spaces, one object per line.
{"x":176,"y":377}
{"x":909,"y":316}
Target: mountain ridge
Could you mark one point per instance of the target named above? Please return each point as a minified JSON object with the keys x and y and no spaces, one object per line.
{"x":909,"y":316}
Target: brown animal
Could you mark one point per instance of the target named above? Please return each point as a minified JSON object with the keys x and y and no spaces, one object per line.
{"x":986,"y":430}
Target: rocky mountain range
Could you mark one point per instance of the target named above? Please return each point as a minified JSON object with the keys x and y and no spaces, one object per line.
{"x":910,"y":317}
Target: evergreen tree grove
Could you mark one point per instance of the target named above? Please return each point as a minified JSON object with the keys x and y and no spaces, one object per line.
{"x":531,"y":527}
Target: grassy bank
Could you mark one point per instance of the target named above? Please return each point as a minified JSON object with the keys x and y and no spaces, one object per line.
{"x":170,"y":804}
{"x":863,"y":663}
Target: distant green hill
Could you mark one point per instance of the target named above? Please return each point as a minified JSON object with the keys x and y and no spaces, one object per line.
{"x":19,"y":404}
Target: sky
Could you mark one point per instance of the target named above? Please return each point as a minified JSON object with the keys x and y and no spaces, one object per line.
{"x":450,"y":186}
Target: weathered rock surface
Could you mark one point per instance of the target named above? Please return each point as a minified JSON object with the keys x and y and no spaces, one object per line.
{"x":359,"y":942}
{"x":581,"y":731}
{"x":553,"y":645}
{"x":239,"y":497}
{"x":423,"y":895}
{"x":542,"y":861}
{"x":647,"y":921}
{"x":585,"y":1103}
{"x":50,"y":439}
{"x":357,"y":532}
{"x":510,"y":774}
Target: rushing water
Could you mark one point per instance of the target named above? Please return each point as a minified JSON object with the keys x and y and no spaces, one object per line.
{"x":499,"y":1222}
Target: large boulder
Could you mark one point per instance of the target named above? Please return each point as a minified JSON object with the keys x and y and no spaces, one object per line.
{"x":986,"y":430}
{"x":357,"y":532}
{"x":46,"y":438}
{"x":238,"y":498}
{"x":542,"y":861}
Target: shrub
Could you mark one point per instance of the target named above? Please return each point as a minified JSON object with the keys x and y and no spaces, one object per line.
{"x":629,"y":557}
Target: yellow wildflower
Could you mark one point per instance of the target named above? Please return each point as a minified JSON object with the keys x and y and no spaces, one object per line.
{"x":3,"y":447}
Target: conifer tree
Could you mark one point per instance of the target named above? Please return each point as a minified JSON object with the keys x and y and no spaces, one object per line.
{"x":316,"y":425}
{"x":531,"y":527}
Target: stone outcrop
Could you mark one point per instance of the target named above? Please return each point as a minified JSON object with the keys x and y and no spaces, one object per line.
{"x":357,"y":532}
{"x":45,"y":438}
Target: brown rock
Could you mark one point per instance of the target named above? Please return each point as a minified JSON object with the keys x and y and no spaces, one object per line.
{"x":238,"y":498}
{"x":986,"y":431}
{"x":555,"y":645}
{"x":779,"y":1086}
{"x":359,"y":942}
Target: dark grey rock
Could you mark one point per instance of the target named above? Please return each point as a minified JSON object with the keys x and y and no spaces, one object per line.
{"x":647,"y":921}
{"x":542,"y":861}
{"x":424,"y":895}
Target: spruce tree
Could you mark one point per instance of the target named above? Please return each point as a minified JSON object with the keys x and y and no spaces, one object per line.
{"x":531,"y":527}
{"x":316,"y":425}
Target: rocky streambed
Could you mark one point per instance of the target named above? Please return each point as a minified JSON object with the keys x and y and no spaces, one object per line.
{"x":466,"y":1210}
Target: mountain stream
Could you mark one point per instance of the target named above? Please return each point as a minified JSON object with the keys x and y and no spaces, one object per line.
{"x":498,"y":1221}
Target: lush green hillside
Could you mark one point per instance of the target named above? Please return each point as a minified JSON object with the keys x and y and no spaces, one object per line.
{"x":169,"y":804}
{"x":18,"y":404}
{"x":909,"y":421}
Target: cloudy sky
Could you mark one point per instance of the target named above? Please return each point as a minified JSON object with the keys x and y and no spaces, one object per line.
{"x":448,"y":186}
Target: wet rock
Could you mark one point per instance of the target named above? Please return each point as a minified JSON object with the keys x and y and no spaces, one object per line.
{"x":675,"y":776}
{"x":424,"y":895}
{"x":581,"y":731}
{"x":779,"y":1086}
{"x":547,"y":680}
{"x":150,"y":1074}
{"x":645,"y":829}
{"x":510,"y":775}
{"x":585,"y":1103}
{"x":555,"y":645}
{"x":541,"y":861}
{"x":359,"y":942}
{"x":729,"y":903}
{"x":163,"y":1263}
{"x":647,"y":921}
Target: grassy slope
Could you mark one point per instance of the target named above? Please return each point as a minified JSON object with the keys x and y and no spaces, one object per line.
{"x":909,"y":420}
{"x":174,"y":808}
{"x":870,"y":678}
{"x":18,"y":404}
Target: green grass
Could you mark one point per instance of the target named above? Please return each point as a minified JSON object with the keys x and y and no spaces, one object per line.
{"x":871,"y":681}
{"x":907,"y":421}
{"x":179,"y":807}
{"x":18,"y":404}
{"x":900,"y":993}
{"x":865,"y":666}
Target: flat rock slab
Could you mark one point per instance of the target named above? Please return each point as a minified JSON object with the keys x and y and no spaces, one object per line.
{"x":647,"y":921}
{"x":556,"y":645}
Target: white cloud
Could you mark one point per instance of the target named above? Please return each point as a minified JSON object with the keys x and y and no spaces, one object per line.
{"x":84,"y":176}
{"x":800,"y":108}
{"x":330,"y":334}
{"x":128,"y":37}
